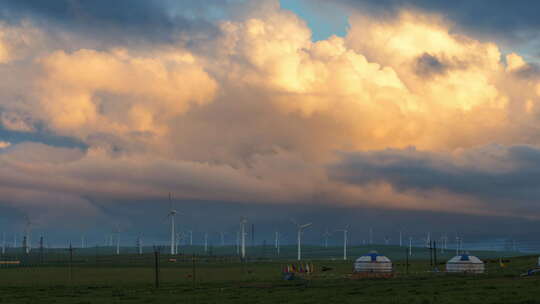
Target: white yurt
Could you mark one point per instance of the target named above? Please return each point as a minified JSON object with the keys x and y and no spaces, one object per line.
{"x":373,"y":263}
{"x":465,"y":263}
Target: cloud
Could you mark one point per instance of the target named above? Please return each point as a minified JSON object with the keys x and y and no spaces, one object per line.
{"x":123,"y":20}
{"x":4,"y":144}
{"x":119,"y":93}
{"x":262,"y":114}
{"x":501,"y":178}
{"x":512,"y":20}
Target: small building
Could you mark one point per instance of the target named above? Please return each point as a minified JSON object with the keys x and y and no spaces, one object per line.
{"x":373,"y":265}
{"x":465,"y":263}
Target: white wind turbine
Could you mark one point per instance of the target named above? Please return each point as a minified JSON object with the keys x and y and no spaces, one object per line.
{"x":326,"y":235}
{"x":278,"y":243}
{"x":117,"y":240}
{"x":205,"y":242}
{"x":345,"y":237}
{"x":26,"y":239}
{"x":299,"y":236}
{"x":243,"y":222}
{"x":3,"y":243}
{"x":222,"y":234}
{"x":172,"y":215}
{"x":140,"y":244}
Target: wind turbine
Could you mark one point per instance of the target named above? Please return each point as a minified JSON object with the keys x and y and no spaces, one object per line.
{"x":410,"y":245}
{"x":172,"y":215}
{"x":222,"y":234}
{"x":26,"y":238}
{"x":326,"y":235}
{"x":371,"y":236}
{"x":299,"y":237}
{"x":243,"y":222}
{"x":278,"y":243}
{"x":179,"y":237}
{"x":140,"y":244}
{"x":3,"y":243}
{"x":205,"y":242}
{"x":345,"y":236}
{"x":238,"y":243}
{"x":117,"y":240}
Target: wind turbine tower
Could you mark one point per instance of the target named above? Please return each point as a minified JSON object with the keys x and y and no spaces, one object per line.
{"x":172,"y":215}
{"x":243,"y":222}
{"x":345,"y":237}
{"x":140,"y":244}
{"x":222,"y":234}
{"x":206,"y":242}
{"x":117,"y":241}
{"x":326,"y":235}
{"x":26,"y":238}
{"x":300,"y":231}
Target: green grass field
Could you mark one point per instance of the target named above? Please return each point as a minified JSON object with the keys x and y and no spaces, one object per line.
{"x":130,"y":279}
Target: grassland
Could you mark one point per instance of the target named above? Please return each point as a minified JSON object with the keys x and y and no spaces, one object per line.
{"x":216,"y":279}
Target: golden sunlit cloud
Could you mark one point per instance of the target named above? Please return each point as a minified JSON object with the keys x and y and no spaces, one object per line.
{"x":261,"y":112}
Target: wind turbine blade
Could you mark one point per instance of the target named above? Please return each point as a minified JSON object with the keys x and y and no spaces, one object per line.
{"x":294,"y":222}
{"x":305,"y":225}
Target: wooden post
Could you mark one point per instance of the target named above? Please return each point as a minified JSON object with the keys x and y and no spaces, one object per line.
{"x":431,"y":254}
{"x":406,"y":261}
{"x":193,"y":270}
{"x":435,"y":252}
{"x":70,"y":263}
{"x":156,"y":266}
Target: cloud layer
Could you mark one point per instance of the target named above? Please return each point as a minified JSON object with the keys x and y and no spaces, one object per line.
{"x":259,"y":113}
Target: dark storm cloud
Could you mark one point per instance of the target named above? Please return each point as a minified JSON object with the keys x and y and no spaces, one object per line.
{"x":494,"y":172}
{"x":428,"y":65}
{"x":517,"y":18}
{"x":145,"y":19}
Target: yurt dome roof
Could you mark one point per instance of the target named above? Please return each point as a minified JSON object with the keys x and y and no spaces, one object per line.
{"x":465,"y":259}
{"x":373,"y":256}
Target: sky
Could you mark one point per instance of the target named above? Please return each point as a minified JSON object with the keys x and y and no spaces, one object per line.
{"x":398,"y":115}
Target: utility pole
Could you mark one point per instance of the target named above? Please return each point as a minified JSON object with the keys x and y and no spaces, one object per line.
{"x":252,"y":235}
{"x":406,"y":262}
{"x":41,"y":249}
{"x":71,"y":249}
{"x":430,"y":254}
{"x":3,"y":243}
{"x":156,"y":266}
{"x":435,"y":252}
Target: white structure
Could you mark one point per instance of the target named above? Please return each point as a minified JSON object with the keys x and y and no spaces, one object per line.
{"x":373,"y":263}
{"x":345,"y":237}
{"x":243,"y":233}
{"x":172,"y":215}
{"x":140,"y":244}
{"x":326,"y":235}
{"x":465,"y":263}
{"x":300,"y":231}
